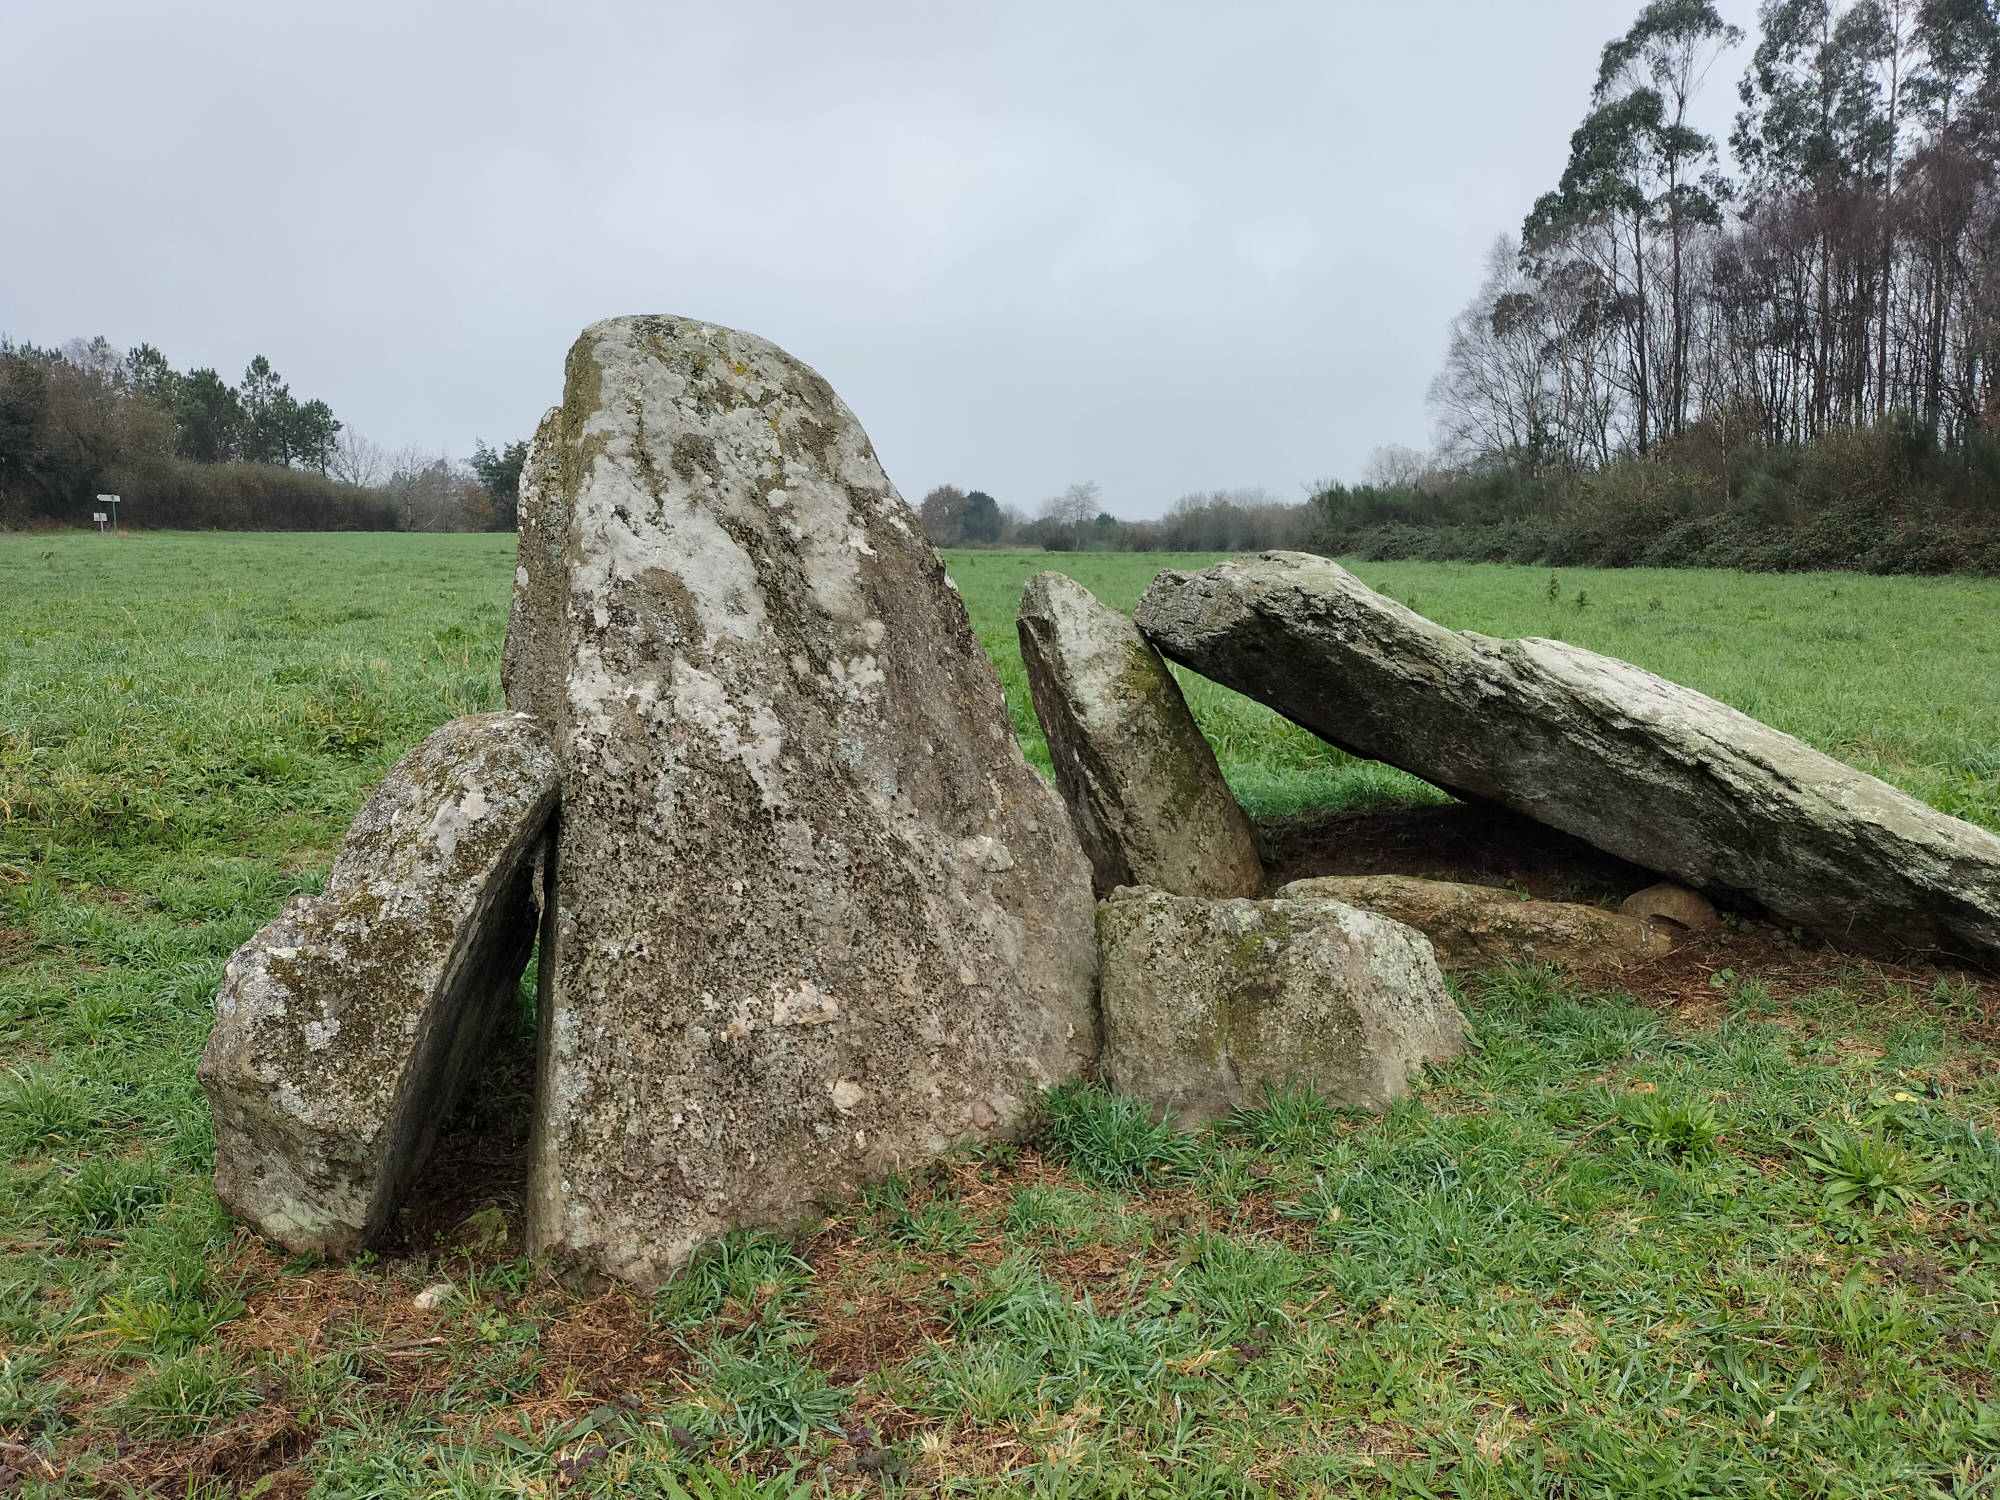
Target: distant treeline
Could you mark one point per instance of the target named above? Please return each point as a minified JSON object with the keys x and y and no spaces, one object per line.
{"x":185,"y":449}
{"x":1206,"y":521}
{"x":1799,"y":369}
{"x":1881,"y":499}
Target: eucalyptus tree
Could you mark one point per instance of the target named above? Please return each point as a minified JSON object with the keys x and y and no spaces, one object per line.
{"x":1856,"y":275}
{"x":1954,"y":95}
{"x":1600,"y":214}
{"x":1813,"y":138}
{"x":1638,"y":169}
{"x":1668,"y":53}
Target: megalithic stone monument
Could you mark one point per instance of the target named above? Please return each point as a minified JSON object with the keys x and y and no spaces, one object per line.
{"x":1643,"y":768}
{"x":814,"y":919}
{"x":1145,"y":795}
{"x":346,"y":1028}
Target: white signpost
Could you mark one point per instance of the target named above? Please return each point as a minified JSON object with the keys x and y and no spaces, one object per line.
{"x":100,"y":517}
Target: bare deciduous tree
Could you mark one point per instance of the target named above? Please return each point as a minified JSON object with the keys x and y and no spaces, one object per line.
{"x":431,"y":493}
{"x":357,"y":461}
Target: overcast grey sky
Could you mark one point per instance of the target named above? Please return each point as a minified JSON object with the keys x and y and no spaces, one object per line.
{"x":1163,"y":246}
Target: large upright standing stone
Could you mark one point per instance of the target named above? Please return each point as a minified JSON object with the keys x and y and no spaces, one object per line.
{"x":1643,"y":768}
{"x":345,"y":1029}
{"x":1143,"y":788}
{"x":816,"y":919}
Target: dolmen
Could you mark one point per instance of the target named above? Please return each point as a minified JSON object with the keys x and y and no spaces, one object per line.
{"x":803,"y":915}
{"x":806,"y":915}
{"x":1642,"y":768}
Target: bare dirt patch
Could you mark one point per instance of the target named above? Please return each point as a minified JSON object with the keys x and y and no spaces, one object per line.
{"x":255,"y":1455}
{"x":861,"y":1333}
{"x":1703,"y":980}
{"x":1479,"y":844}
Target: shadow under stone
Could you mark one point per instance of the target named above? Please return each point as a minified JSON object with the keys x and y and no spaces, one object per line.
{"x":1474,"y":843}
{"x":480,"y":1160}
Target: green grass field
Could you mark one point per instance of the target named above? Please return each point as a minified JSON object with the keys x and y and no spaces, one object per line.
{"x":1741,"y":1245}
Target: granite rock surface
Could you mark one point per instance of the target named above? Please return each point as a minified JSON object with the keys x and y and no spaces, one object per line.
{"x":1211,"y":1006}
{"x":1643,"y":768}
{"x":814,"y":917}
{"x":1484,"y":927}
{"x":346,"y":1028}
{"x":1142,"y":785}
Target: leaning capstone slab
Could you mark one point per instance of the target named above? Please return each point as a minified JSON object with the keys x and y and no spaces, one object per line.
{"x":345,"y":1029}
{"x":1143,"y":789}
{"x":815,"y":918}
{"x":1643,"y":768}
{"x":1211,"y":1006}
{"x":1484,"y":927}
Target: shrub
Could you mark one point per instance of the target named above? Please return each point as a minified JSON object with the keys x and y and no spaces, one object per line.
{"x":1883,"y":499}
{"x":165,"y":493}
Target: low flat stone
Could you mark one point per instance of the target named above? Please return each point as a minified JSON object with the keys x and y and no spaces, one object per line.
{"x":1211,"y":1005}
{"x":1143,"y":789}
{"x":1676,"y":905}
{"x":816,"y":919}
{"x":1483,"y":927}
{"x":1643,"y":768}
{"x":345,"y":1029}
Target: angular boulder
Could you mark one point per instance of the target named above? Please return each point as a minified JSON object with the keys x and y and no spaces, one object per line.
{"x":1143,"y":788}
{"x":346,"y":1028}
{"x":1643,"y":768}
{"x":1209,"y":1006}
{"x":815,"y":918}
{"x":1483,"y":927}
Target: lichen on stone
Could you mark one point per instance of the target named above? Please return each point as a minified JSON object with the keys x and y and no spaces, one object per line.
{"x":345,"y":1027}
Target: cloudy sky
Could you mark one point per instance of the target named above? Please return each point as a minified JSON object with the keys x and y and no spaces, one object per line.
{"x":1161,"y":246}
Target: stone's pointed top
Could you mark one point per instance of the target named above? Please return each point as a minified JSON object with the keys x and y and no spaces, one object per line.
{"x":1643,"y":768}
{"x":1143,"y":789}
{"x":816,"y":919}
{"x":695,"y":453}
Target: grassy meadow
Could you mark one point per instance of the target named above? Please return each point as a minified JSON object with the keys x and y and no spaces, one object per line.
{"x":1729,"y":1241}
